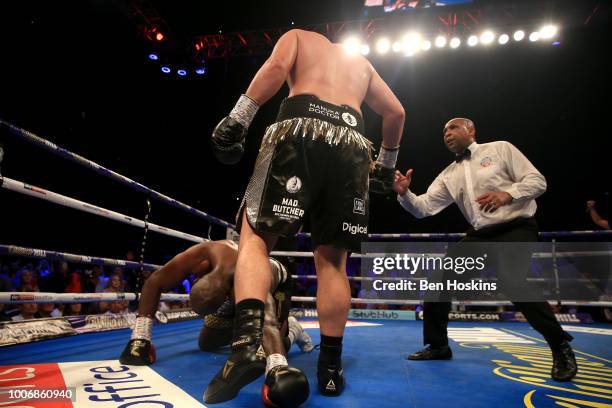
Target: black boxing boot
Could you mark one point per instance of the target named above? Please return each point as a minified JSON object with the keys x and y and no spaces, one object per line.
{"x":564,"y":366}
{"x":285,"y":387}
{"x":217,"y":329}
{"x":247,"y":360}
{"x":330,"y":375}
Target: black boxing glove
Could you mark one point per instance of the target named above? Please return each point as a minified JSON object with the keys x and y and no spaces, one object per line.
{"x":381,"y":179}
{"x":138,"y":352}
{"x":228,"y":136}
{"x":383,"y":174}
{"x":228,"y":141}
{"x":285,"y":387}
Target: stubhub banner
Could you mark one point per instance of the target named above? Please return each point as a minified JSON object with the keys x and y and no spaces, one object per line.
{"x":97,"y":384}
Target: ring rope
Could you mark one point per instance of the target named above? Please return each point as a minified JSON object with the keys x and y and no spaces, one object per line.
{"x":143,"y":246}
{"x":54,"y":255}
{"x":52,"y":147}
{"x":27,"y":189}
{"x":50,"y":297}
{"x":75,"y":158}
{"x":455,"y":235}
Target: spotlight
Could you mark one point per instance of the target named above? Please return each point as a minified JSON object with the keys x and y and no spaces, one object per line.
{"x":351,"y":45}
{"x":440,"y":41}
{"x":472,"y":41}
{"x":412,"y":42}
{"x":365,"y":49}
{"x":535,"y":36}
{"x":455,"y":42}
{"x":548,"y":31}
{"x":397,"y":46}
{"x":556,"y":43}
{"x":153,"y":57}
{"x":181,"y":72}
{"x":518,"y":35}
{"x":487,"y":37}
{"x":426,"y":45}
{"x":166,"y":70}
{"x":383,"y":45}
{"x":159,"y":36}
{"x":200,"y":70}
{"x":503,"y":39}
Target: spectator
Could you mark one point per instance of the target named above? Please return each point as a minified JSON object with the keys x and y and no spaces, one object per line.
{"x":115,"y":284}
{"x":597,"y":219}
{"x":26,"y":312}
{"x":26,"y":280}
{"x":73,"y":309}
{"x":75,"y":283}
{"x":47,"y":310}
{"x":91,"y":279}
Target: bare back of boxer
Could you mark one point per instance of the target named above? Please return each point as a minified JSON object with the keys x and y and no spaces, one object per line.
{"x":320,"y":69}
{"x":328,"y":71}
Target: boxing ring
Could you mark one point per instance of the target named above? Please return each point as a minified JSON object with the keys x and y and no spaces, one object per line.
{"x":496,"y":362}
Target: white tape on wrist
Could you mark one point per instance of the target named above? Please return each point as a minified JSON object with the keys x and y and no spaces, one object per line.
{"x":275,"y":360}
{"x":388,"y":157}
{"x":244,"y":111}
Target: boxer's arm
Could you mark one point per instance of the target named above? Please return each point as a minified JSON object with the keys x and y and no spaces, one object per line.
{"x":169,"y":276}
{"x":598,"y":220}
{"x":274,"y":72}
{"x":384,"y":102}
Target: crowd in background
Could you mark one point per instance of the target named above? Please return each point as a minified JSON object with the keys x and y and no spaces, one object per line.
{"x":29,"y":275}
{"x":33,"y":275}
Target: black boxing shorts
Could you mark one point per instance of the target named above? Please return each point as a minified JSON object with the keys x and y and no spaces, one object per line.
{"x":313,"y":162}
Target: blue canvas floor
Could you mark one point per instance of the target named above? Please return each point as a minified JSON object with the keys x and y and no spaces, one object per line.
{"x":494,"y":365}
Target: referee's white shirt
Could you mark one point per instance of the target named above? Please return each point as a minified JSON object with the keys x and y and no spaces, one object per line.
{"x":491,"y":167}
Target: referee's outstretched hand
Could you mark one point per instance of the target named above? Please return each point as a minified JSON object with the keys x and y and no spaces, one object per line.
{"x":402,"y":182}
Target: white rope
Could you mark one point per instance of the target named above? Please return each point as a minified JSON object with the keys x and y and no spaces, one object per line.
{"x":23,"y":188}
{"x":49,"y":297}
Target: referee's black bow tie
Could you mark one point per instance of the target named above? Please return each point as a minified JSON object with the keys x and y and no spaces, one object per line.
{"x":465,"y":155}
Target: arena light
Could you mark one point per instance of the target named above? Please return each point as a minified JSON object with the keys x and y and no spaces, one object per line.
{"x":166,"y":70}
{"x":548,"y":32}
{"x":159,"y":37}
{"x":200,"y":70}
{"x":535,"y":36}
{"x":383,"y":45}
{"x":472,"y":41}
{"x":519,"y":35}
{"x":455,"y":42}
{"x":397,"y":46}
{"x":487,"y":37}
{"x":365,"y":49}
{"x":352,"y":45}
{"x":412,"y":42}
{"x":426,"y":45}
{"x":181,"y":72}
{"x":440,"y":41}
{"x":153,"y":57}
{"x":503,"y":39}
